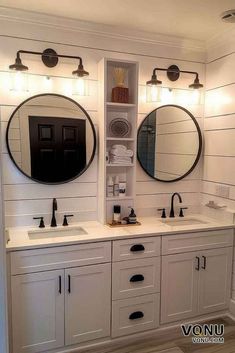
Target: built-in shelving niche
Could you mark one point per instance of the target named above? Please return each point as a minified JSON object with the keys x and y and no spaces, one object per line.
{"x":107,"y":112}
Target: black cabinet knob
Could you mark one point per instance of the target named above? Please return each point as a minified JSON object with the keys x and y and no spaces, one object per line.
{"x":136,"y":315}
{"x":137,"y":278}
{"x":137,"y":247}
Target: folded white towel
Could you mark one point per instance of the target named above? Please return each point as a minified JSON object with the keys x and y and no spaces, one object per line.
{"x":116,"y":152}
{"x":119,"y":147}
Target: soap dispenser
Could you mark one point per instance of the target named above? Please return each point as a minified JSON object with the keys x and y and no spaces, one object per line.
{"x":132,"y":217}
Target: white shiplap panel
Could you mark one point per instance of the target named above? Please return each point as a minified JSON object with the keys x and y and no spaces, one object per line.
{"x":220,"y":101}
{"x":219,"y":169}
{"x":28,"y":191}
{"x":154,"y":187}
{"x":220,"y":143}
{"x":220,"y":122}
{"x":11,"y":175}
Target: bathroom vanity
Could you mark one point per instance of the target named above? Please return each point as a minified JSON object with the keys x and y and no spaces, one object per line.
{"x":70,"y":290}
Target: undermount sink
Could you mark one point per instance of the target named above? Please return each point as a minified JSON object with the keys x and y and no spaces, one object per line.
{"x":183,"y":222}
{"x":56,"y":233}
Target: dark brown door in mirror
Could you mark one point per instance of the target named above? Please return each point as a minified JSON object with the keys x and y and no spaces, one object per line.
{"x":51,"y":139}
{"x":169,"y":143}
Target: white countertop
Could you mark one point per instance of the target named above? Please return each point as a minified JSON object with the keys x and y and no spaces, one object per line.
{"x":150,"y":226}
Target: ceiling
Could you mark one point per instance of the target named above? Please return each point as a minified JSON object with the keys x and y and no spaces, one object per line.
{"x":196,"y":19}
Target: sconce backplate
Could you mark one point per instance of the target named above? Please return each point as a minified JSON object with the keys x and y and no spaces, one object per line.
{"x":50,"y":58}
{"x":173,"y":73}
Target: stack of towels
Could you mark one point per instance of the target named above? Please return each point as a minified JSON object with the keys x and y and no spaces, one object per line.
{"x":119,"y":154}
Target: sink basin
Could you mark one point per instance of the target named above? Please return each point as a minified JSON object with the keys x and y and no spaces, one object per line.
{"x":183,"y":222}
{"x":56,"y":233}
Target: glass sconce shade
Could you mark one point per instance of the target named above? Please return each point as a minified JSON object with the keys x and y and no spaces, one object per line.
{"x":80,"y":87}
{"x":153,"y":93}
{"x":18,"y":82}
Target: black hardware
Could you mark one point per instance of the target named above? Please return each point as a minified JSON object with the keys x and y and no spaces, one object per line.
{"x":60,"y":284}
{"x":181,"y":211}
{"x":137,"y":247}
{"x":172,"y":212}
{"x":173,"y":73}
{"x":163,"y":212}
{"x":137,"y":278}
{"x":204,"y":262}
{"x":41,"y":224}
{"x":54,"y":208}
{"x":136,"y":315}
{"x":65,"y":222}
{"x":69,"y":283}
{"x":50,"y":59}
{"x":198,"y":263}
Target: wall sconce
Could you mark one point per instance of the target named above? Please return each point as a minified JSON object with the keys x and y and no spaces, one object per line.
{"x":173,"y":74}
{"x":50,"y":59}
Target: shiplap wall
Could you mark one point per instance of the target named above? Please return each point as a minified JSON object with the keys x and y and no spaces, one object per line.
{"x":219,"y":126}
{"x":23,"y":198}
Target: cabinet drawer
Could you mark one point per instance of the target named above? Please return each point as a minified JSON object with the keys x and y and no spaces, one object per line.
{"x":135,"y":314}
{"x":175,"y":244}
{"x":35,"y":260}
{"x":136,"y":248}
{"x":136,"y":277}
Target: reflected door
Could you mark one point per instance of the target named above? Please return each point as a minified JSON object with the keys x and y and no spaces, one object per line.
{"x":57,"y":147}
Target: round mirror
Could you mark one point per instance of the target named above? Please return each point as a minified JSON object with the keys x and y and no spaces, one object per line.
{"x":51,"y":139}
{"x":169,"y":143}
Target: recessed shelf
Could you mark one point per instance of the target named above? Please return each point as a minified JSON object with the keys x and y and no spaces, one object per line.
{"x":120,"y":165}
{"x":118,"y":198}
{"x":120,"y":106}
{"x":120,"y":139}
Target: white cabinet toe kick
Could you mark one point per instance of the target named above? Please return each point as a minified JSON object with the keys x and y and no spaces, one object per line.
{"x":67,"y":295}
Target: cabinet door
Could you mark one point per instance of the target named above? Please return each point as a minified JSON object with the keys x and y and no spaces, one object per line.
{"x":38,"y":311}
{"x":87,"y":303}
{"x":179,"y":290}
{"x":215,"y":280}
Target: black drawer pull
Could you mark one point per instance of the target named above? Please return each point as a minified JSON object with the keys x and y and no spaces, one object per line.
{"x":69,"y":283}
{"x":137,"y":278}
{"x":136,"y":315}
{"x":60,"y":291}
{"x":137,"y":247}
{"x":198,"y":263}
{"x":204,"y":262}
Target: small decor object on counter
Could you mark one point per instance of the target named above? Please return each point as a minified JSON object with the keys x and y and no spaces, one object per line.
{"x":120,"y":93}
{"x":119,"y":154}
{"x":110,"y":187}
{"x":120,"y":127}
{"x":116,"y":214}
{"x":116,"y":186}
{"x":122,"y":189}
{"x":132,"y":217}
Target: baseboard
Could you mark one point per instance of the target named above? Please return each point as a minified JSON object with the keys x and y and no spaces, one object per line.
{"x":231,"y":312}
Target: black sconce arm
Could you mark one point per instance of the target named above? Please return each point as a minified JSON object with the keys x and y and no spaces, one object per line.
{"x":174,"y":71}
{"x":47,"y":54}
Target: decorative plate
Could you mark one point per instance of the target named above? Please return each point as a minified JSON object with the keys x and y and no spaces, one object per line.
{"x":120,"y":127}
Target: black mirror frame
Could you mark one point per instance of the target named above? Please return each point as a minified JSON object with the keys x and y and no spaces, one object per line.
{"x":80,"y":107}
{"x":199,"y":147}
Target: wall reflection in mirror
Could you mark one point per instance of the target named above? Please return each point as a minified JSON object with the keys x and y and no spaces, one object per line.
{"x":169,"y":143}
{"x":51,"y":138}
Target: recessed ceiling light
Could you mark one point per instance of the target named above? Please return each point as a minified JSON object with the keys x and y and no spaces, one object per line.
{"x":228,"y":16}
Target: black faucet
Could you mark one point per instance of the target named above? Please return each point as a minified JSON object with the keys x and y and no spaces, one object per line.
{"x":54,"y":208}
{"x":172,"y":212}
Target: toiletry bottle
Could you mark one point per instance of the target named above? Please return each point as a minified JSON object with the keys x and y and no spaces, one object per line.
{"x":132,"y":217}
{"x":116,"y":186}
{"x":116,"y":214}
{"x":110,"y":187}
{"x":122,"y":189}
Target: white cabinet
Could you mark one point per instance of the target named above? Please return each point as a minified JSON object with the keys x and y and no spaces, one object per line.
{"x":195,"y":283}
{"x":59,"y":307}
{"x":215,"y":280}
{"x":38,"y":311}
{"x":179,"y":287}
{"x":87,"y":303}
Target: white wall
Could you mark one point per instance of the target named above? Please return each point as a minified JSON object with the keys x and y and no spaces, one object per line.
{"x":219,"y":124}
{"x":24,"y":198}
